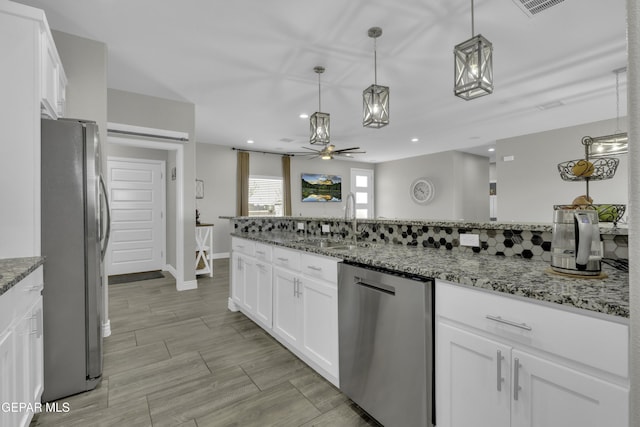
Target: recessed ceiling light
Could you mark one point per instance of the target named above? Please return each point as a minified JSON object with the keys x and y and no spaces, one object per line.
{"x":414,"y":140}
{"x":304,"y":116}
{"x":491,"y":149}
{"x":250,"y":141}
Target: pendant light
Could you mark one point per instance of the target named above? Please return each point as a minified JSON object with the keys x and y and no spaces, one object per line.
{"x":473,"y":67}
{"x":375,"y":99}
{"x":319,"y":121}
{"x":608,"y":145}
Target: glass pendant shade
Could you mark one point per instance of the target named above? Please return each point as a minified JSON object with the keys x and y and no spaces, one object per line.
{"x":375,"y":101}
{"x":473,"y":68}
{"x":320,"y":132}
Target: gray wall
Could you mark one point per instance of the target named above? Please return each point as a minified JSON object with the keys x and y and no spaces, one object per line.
{"x":461,"y":183}
{"x":530,"y":185}
{"x":216,"y":166}
{"x":147,"y":111}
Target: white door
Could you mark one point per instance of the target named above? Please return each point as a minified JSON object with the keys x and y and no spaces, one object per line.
{"x":473,"y":382}
{"x":137,"y":194}
{"x":362,"y":189}
{"x":552,"y":395}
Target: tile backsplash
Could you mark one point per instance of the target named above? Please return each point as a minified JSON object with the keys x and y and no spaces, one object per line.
{"x":503,"y":239}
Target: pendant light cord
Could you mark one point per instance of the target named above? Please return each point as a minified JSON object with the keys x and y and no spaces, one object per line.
{"x":319,"y":94}
{"x":473,"y":32}
{"x":375,"y":62}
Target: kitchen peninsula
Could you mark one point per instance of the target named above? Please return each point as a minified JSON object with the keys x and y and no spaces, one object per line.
{"x":500,"y":313}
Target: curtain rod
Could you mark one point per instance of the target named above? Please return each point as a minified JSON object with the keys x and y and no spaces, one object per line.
{"x":263,"y":152}
{"x":149,"y":135}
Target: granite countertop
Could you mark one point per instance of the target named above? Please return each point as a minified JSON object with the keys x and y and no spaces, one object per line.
{"x":13,"y":270}
{"x":515,"y":276}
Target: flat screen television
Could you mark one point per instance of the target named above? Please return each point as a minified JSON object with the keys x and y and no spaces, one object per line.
{"x":321,"y":188}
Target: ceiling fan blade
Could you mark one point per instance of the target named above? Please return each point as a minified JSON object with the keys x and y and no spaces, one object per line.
{"x":346,"y":149}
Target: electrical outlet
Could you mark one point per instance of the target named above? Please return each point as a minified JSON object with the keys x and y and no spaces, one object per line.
{"x":326,"y":228}
{"x":469,"y":239}
{"x":301,"y":226}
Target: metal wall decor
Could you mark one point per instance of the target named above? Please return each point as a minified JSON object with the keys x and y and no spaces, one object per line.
{"x":375,"y":98}
{"x":319,"y":122}
{"x":473,"y":66}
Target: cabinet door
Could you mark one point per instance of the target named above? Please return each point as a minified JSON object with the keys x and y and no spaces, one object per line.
{"x":250,"y":293}
{"x":36,"y":348}
{"x":472,"y":380}
{"x":7,"y":372}
{"x":237,"y":278}
{"x":320,"y":323}
{"x":264,"y":302}
{"x":21,"y":362}
{"x":49,"y":77}
{"x":552,"y":395}
{"x":286,"y":306}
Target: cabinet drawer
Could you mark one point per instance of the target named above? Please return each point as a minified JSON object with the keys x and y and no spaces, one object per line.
{"x":263,"y":252}
{"x":592,"y":341}
{"x":243,"y":246}
{"x":321,"y":267}
{"x":17,"y":300}
{"x":286,"y":258}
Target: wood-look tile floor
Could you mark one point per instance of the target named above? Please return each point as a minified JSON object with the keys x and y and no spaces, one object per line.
{"x":183,"y":359}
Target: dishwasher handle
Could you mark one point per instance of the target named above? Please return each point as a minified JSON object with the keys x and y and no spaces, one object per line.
{"x":375,"y":286}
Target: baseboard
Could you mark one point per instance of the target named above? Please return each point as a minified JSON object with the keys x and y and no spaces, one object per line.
{"x":232,"y":305}
{"x":106,"y":328}
{"x":169,"y":269}
{"x":186,"y":285}
{"x":221,"y":255}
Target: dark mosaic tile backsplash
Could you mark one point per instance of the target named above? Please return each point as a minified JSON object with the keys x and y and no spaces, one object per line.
{"x":505,"y":242}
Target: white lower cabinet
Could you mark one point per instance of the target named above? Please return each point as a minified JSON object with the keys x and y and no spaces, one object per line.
{"x":21,"y":351}
{"x":496,"y":370}
{"x":294,"y":296}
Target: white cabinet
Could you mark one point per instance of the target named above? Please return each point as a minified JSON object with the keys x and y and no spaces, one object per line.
{"x":506,"y":362}
{"x":293,"y":295}
{"x":53,"y":79}
{"x":21,"y":349}
{"x":23,"y":87}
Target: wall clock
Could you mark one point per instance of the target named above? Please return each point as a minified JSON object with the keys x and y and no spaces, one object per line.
{"x":422,"y":191}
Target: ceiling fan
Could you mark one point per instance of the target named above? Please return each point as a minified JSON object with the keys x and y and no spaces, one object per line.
{"x":329,"y":151}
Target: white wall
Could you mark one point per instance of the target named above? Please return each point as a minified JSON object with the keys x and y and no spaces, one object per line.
{"x":530,"y":185}
{"x":461,"y":183}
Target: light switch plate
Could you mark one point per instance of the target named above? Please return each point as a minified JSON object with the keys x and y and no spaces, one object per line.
{"x":301,"y":226}
{"x":326,"y":228}
{"x":469,"y":239}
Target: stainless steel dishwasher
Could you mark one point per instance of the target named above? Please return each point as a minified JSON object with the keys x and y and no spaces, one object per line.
{"x":386,"y":327}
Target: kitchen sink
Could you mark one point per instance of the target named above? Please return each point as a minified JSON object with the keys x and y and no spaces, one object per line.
{"x":331,"y":244}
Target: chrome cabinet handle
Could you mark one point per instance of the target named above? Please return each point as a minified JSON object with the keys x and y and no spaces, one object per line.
{"x":295,"y":287}
{"x":283,"y":259}
{"x":509,"y":322}
{"x":311,"y":267}
{"x":500,"y":380}
{"x":516,"y":375}
{"x":260,"y":252}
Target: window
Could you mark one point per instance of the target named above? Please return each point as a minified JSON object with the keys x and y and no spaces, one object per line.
{"x":362,"y":187}
{"x":265,"y":196}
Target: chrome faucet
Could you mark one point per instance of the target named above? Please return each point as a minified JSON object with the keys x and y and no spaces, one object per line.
{"x":350,"y":214}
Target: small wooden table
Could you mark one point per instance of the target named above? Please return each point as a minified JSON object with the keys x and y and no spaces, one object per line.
{"x":204,"y":246}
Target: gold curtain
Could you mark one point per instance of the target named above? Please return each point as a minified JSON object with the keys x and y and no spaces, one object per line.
{"x":286,"y":185}
{"x":242,"y":184}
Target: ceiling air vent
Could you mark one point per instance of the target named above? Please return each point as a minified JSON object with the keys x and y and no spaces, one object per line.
{"x":533,"y":7}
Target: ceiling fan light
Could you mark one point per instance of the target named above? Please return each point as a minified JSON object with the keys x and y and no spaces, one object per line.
{"x":320,"y":130}
{"x":326,"y":156}
{"x":473,"y":68}
{"x":375,"y":100}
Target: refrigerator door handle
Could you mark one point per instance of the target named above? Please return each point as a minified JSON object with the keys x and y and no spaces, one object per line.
{"x":107,"y":235}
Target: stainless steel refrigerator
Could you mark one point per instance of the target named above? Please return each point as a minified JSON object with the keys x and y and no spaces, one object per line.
{"x":75,"y":227}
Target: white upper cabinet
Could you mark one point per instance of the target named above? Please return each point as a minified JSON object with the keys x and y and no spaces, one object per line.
{"x":53,"y":79}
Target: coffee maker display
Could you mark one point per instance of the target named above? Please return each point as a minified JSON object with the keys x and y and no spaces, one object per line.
{"x":575,"y":246}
